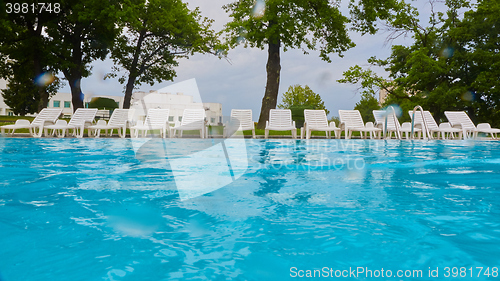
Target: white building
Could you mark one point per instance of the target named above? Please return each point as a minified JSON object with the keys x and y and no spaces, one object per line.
{"x":176,"y":98}
{"x":63,"y":101}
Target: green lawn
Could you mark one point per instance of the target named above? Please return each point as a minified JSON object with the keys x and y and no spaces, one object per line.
{"x":213,"y":130}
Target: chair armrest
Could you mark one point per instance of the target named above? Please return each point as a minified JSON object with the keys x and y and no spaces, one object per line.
{"x":293,"y":124}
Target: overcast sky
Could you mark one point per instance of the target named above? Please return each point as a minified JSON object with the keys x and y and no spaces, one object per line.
{"x":241,"y":83}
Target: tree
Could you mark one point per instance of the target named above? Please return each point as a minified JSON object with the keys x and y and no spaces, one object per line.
{"x":296,"y":24}
{"x":366,"y":106}
{"x":155,"y":35}
{"x":451,"y":65}
{"x":300,"y":96}
{"x":102,"y":103}
{"x":83,"y":32}
{"x":24,"y":56}
{"x":23,"y":94}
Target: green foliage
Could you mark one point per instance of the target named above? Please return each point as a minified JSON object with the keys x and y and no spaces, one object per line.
{"x":24,"y":56}
{"x":453,"y":63}
{"x":155,"y":35}
{"x":370,"y":82}
{"x":81,"y":33}
{"x":366,"y":105}
{"x":102,"y":103}
{"x":302,"y":96}
{"x":21,"y":97}
{"x":335,"y":119}
{"x":293,"y":23}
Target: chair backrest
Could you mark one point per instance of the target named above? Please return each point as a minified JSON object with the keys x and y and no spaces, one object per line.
{"x":459,"y":118}
{"x":244,"y":116}
{"x":392,"y":120}
{"x":315,"y":117}
{"x":157,"y":117}
{"x":351,"y":118}
{"x":22,"y":122}
{"x":82,"y":116}
{"x":431,"y":123}
{"x":47,"y":115}
{"x":193,"y":117}
{"x":119,"y":117}
{"x":280,"y":118}
{"x":484,"y":127}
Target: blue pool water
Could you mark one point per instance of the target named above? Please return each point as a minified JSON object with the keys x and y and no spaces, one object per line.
{"x":95,"y":209}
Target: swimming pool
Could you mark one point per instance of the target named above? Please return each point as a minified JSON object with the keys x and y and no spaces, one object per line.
{"x":89,"y":209}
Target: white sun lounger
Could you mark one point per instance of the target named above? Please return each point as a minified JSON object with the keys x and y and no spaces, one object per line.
{"x":156,"y":119}
{"x":192,"y":119}
{"x":315,"y":120}
{"x":244,"y":117}
{"x":47,"y":116}
{"x":460,"y":119}
{"x":486,"y":128}
{"x":280,"y":120}
{"x":442,"y":130}
{"x":118,"y":120}
{"x":351,"y":121}
{"x":393,"y":125}
{"x":81,"y":119}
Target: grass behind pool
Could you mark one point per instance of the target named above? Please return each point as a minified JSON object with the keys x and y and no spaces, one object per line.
{"x":216,"y":130}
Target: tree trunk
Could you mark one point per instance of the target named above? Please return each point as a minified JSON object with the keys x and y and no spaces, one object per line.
{"x":134,"y":72}
{"x":76,"y":94}
{"x":273,"y":68}
{"x":42,"y":89}
{"x":129,"y":88}
{"x":74,"y":79}
{"x":74,"y":74}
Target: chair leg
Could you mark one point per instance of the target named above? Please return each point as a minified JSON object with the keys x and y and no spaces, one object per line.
{"x":266,"y":134}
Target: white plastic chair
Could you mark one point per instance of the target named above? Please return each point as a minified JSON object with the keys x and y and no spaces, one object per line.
{"x":393,"y":125}
{"x":81,"y":119}
{"x":47,"y":116}
{"x":192,"y":119}
{"x":244,"y":117}
{"x":442,"y":130}
{"x":315,"y":120}
{"x":486,"y":128}
{"x":118,"y":120}
{"x":280,"y":120}
{"x":460,"y":119}
{"x":156,"y":119}
{"x":351,"y":121}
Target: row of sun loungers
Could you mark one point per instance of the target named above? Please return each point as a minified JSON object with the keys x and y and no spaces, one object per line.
{"x":84,"y":118}
{"x":459,"y":125}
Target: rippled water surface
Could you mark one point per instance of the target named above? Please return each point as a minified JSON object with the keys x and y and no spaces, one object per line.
{"x":90,"y":209}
